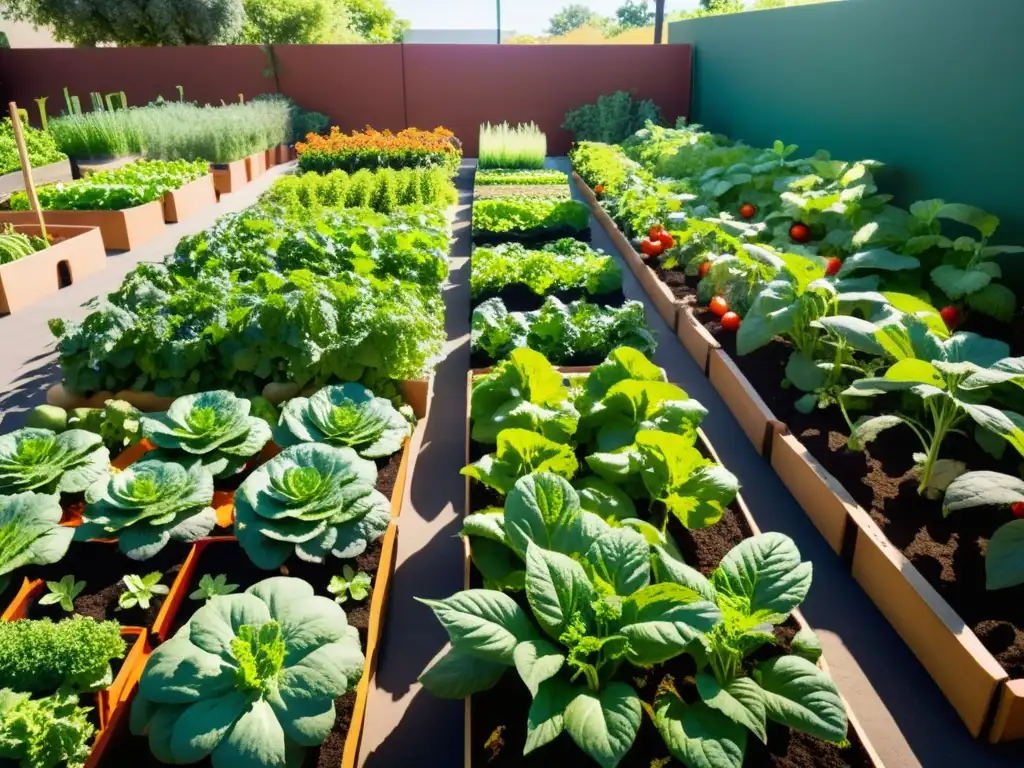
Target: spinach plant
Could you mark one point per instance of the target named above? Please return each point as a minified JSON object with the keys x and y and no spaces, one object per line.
{"x":1004,"y":557}
{"x":213,"y":586}
{"x":349,"y":584}
{"x":63,"y":593}
{"x":520,"y":452}
{"x":141,"y":590}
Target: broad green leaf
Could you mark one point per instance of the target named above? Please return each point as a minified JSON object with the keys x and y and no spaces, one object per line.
{"x":536,"y":661}
{"x":926,"y":210}
{"x":501,"y":567}
{"x":604,"y":724}
{"x":607,"y":501}
{"x":956,"y":282}
{"x":485,"y":525}
{"x":519,"y":453}
{"x":917,"y":307}
{"x":623,"y":363}
{"x":860,"y":334}
{"x":661,"y":620}
{"x":805,"y":373}
{"x":741,"y":700}
{"x":806,"y":644}
{"x":621,"y":558}
{"x":1004,"y":561}
{"x":483,"y":623}
{"x":801,"y":696}
{"x":981,"y":489}
{"x":697,"y":735}
{"x":877,"y":259}
{"x":917,"y":371}
{"x":994,"y":300}
{"x":1006,"y":424}
{"x":984,"y":222}
{"x":670,"y":569}
{"x":866,"y":431}
{"x":765,"y":573}
{"x":457,"y":675}
{"x":964,"y":347}
{"x":545,"y":509}
{"x":556,"y":587}
{"x":546,"y":718}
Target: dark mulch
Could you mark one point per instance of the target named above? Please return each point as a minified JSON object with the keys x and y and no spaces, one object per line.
{"x":519,"y":298}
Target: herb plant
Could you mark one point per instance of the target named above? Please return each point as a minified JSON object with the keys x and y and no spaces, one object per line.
{"x":141,"y":590}
{"x":51,"y":732}
{"x":40,"y":656}
{"x":314,"y":500}
{"x":30,"y":532}
{"x":613,"y":118}
{"x":511,"y":146}
{"x":63,"y":593}
{"x":349,"y":584}
{"x":40,"y":460}
{"x":346,"y":415}
{"x":280,"y":658}
{"x":213,"y":586}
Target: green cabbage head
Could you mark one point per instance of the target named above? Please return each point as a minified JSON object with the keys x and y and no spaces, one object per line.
{"x":148,"y":504}
{"x":30,"y":532}
{"x":250,"y":681}
{"x":348,"y":416}
{"x":314,"y":500}
{"x":43,"y":461}
{"x":215,"y":426}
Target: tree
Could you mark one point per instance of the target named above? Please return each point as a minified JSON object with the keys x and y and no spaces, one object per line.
{"x":634,"y":13}
{"x":569,"y":18}
{"x":274,"y":22}
{"x":374,"y":22}
{"x":721,"y":6}
{"x":132,"y":22}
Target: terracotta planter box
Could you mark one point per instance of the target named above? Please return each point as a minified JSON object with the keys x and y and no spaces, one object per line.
{"x":745,"y":404}
{"x":44,"y":174}
{"x":256,"y":165}
{"x":79,"y":254}
{"x":121,"y":230}
{"x":697,"y":340}
{"x":270,"y":158}
{"x":285,"y":154}
{"x":186,"y":201}
{"x":229,"y":177}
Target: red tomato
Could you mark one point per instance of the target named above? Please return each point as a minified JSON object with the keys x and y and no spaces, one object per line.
{"x":599,"y":190}
{"x":833,"y":266}
{"x":731,"y":321}
{"x":719,"y":306}
{"x":748,"y":211}
{"x":655,"y":231}
{"x":950,"y":316}
{"x":704,"y":269}
{"x":649,"y":247}
{"x":666,"y":240}
{"x":1017,"y":508}
{"x":799,"y":233}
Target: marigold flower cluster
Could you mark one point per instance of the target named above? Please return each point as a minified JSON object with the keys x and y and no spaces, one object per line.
{"x":374,"y":149}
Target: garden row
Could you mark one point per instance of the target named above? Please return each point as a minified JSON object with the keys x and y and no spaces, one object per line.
{"x":219,"y":586}
{"x":610,"y":559}
{"x":870,"y":354}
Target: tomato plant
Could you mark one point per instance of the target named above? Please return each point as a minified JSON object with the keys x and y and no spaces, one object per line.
{"x":704,"y":269}
{"x":748,"y":211}
{"x":666,"y":240}
{"x":799,"y":233}
{"x":719,"y":306}
{"x":731,"y":321}
{"x":950,"y":316}
{"x":834,"y":264}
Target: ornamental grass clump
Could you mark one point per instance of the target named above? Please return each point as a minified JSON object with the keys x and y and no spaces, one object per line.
{"x":97,"y":135}
{"x":512,"y":146}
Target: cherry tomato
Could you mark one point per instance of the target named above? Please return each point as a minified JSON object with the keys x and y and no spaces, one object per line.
{"x":704,"y":269}
{"x":799,"y":233}
{"x":833,"y":266}
{"x":748,"y":211}
{"x":719,"y":306}
{"x":649,"y":247}
{"x":1017,"y":508}
{"x":731,"y":321}
{"x":655,"y":231}
{"x":599,"y":190}
{"x":950,"y":316}
{"x":666,"y":240}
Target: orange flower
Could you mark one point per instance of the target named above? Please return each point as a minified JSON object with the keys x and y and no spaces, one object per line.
{"x":410,"y":139}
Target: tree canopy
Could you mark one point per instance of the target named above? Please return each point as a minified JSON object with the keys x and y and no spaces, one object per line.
{"x":634,"y":13}
{"x":569,"y":18}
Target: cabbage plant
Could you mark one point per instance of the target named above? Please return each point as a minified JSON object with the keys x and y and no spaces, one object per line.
{"x":149,"y":504}
{"x":214,"y":426}
{"x":250,"y":680}
{"x":313,"y":499}
{"x":347,"y":416}
{"x":30,"y":532}
{"x":43,"y":461}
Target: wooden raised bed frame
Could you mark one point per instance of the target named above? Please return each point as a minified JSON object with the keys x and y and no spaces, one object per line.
{"x":44,"y":174}
{"x":186,"y":201}
{"x":256,"y":165}
{"x":122,"y":230}
{"x":854,"y":724}
{"x":990,"y":704}
{"x":229,"y":177}
{"x":33,"y":277}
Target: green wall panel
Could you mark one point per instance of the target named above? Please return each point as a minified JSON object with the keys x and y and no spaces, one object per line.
{"x":932,"y":88}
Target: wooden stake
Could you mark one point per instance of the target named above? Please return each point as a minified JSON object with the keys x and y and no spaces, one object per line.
{"x":26,"y":169}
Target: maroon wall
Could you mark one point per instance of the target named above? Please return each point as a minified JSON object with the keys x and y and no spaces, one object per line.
{"x":385,"y":86}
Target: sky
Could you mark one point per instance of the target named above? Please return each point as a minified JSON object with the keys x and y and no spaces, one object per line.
{"x":528,"y":17}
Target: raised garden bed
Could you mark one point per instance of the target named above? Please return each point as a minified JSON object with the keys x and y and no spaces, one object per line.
{"x":229,"y":177}
{"x":44,"y":174}
{"x":121,"y":230}
{"x":187,"y":201}
{"x":255,"y":165}
{"x":75,"y":253}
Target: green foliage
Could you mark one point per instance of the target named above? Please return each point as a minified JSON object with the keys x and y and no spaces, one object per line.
{"x":30,"y":532}
{"x":521,"y":452}
{"x":634,"y":13}
{"x":14,"y":245}
{"x":141,"y":590}
{"x":501,"y":176}
{"x":284,"y":655}
{"x":277,"y":22}
{"x":560,"y":266}
{"x":528,"y":215}
{"x":603,"y":165}
{"x":313,"y":500}
{"x":148,"y":504}
{"x":63,"y":593}
{"x":349,"y":584}
{"x":569,"y":18}
{"x":40,"y":656}
{"x":613,"y":118}
{"x":214,"y":426}
{"x":39,"y":460}
{"x":1004,"y":557}
{"x":51,"y":732}
{"x":212,"y":586}
{"x":40,"y":145}
{"x":347,"y":415}
{"x":95,"y":135}
{"x":567,"y":334}
{"x":383,"y":190}
{"x":511,"y":146}
{"x":375,"y":21}
{"x":122,"y":23}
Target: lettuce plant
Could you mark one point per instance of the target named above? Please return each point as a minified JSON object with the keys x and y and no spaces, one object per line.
{"x":520,"y":452}
{"x":572,"y":646}
{"x":40,"y":655}
{"x":30,"y":533}
{"x":313,"y":500}
{"x":250,"y":681}
{"x":524,"y":392}
{"x":214,"y":426}
{"x":757,"y":585}
{"x":149,"y":504}
{"x":347,"y":416}
{"x":51,"y":732}
{"x":40,"y":460}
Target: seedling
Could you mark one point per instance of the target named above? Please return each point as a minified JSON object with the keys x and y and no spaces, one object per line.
{"x":212,"y":586}
{"x":63,"y":592}
{"x":141,"y":590}
{"x":357,"y":585}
